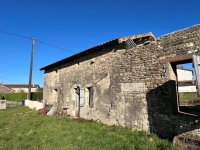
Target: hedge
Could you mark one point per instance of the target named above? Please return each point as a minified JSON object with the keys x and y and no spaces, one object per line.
{"x":21,"y":96}
{"x":37,"y":96}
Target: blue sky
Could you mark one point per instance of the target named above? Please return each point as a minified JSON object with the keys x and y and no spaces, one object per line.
{"x":78,"y":25}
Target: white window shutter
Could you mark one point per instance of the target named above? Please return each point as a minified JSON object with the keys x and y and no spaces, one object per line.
{"x":81,"y":97}
{"x":196,"y":62}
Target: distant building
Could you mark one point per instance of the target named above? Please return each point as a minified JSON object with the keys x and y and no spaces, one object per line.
{"x":22,"y":87}
{"x":186,"y":82}
{"x":4,"y":89}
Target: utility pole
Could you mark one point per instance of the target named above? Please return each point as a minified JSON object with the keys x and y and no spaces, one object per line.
{"x":31,"y":69}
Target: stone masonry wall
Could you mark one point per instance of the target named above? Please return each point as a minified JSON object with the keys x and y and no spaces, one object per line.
{"x":175,"y":47}
{"x":92,"y":70}
{"x":130,"y":79}
{"x":120,"y":79}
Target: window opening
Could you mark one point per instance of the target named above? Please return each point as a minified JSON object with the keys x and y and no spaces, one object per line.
{"x":186,"y":86}
{"x":90,"y":97}
{"x":77,"y":91}
{"x":79,"y":97}
{"x":55,"y":95}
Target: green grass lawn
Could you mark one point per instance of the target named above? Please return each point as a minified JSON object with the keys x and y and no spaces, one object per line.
{"x":189,"y":98}
{"x":21,"y":130}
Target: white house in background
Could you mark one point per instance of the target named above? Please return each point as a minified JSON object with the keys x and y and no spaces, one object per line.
{"x":4,"y":89}
{"x":186,"y":82}
{"x":23,"y":87}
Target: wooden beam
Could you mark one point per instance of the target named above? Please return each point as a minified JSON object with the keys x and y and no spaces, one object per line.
{"x":178,"y":59}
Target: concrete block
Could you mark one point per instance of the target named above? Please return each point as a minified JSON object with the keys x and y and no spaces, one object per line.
{"x":26,"y":102}
{"x":39,"y":105}
{"x":30,"y":105}
{"x":34,"y":105}
{"x":2,"y":104}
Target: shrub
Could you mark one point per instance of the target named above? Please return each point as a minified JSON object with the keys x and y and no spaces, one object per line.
{"x":13,"y":96}
{"x":37,"y":95}
{"x":21,"y":96}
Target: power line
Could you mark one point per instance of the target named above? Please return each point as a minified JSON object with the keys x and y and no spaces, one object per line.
{"x":9,"y":80}
{"x":37,"y":41}
{"x":13,"y":80}
{"x":55,"y":46}
{"x":15,"y":34}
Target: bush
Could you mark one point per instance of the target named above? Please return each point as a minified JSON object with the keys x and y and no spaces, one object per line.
{"x":21,"y":96}
{"x":37,"y":95}
{"x":13,"y":96}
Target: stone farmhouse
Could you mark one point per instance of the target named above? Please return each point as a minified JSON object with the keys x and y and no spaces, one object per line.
{"x":129,"y":81}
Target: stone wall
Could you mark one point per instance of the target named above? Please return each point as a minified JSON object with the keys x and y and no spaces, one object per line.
{"x":90,"y":71}
{"x":35,"y":105}
{"x":6,"y":104}
{"x":173,"y":48}
{"x":130,"y":80}
{"x":13,"y":103}
{"x":134,"y":88}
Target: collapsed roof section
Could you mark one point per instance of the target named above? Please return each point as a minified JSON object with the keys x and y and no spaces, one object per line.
{"x":147,"y":37}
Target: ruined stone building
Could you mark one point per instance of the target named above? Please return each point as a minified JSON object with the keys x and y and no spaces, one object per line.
{"x":129,"y":81}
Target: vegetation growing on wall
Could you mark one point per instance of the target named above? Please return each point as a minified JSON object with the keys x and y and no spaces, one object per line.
{"x":21,"y":96}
